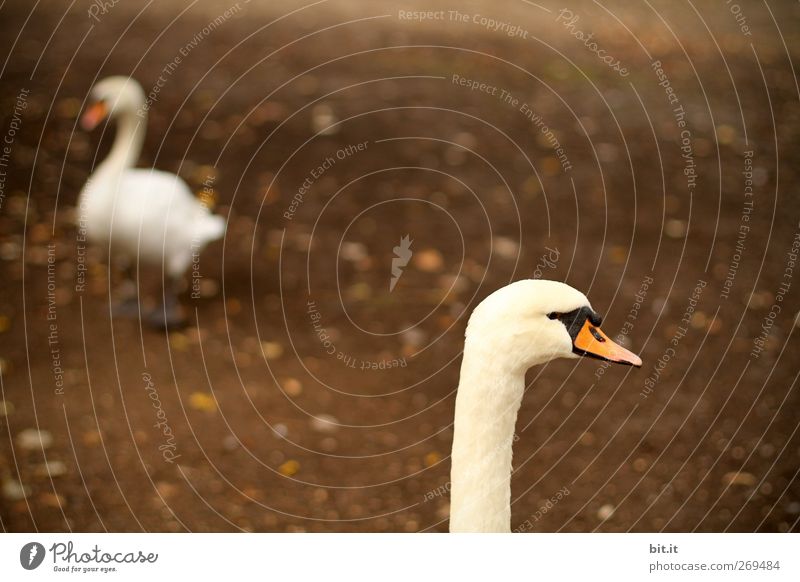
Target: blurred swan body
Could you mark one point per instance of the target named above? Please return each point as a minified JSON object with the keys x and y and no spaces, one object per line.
{"x":524,"y":324}
{"x":140,"y":213}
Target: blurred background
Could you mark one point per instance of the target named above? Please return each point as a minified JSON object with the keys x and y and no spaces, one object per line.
{"x":645,"y":153}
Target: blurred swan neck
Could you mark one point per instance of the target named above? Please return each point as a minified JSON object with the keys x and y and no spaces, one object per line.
{"x":128,"y":142}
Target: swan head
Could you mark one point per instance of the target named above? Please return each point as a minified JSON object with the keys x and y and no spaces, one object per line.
{"x":533,"y":321}
{"x":110,"y":98}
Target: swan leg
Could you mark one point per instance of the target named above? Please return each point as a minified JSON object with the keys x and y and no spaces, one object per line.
{"x":128,"y":304}
{"x":169,"y":315}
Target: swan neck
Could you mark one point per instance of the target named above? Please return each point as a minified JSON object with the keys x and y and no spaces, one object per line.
{"x":487,"y":403}
{"x":128,"y":142}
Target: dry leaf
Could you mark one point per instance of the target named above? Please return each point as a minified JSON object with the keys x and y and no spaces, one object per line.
{"x":202,"y":401}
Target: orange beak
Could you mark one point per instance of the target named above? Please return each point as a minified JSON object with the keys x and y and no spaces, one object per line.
{"x":591,"y":341}
{"x":96,"y":113}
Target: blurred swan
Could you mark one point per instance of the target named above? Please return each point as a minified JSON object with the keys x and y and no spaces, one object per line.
{"x":519,"y":326}
{"x":141,"y":215}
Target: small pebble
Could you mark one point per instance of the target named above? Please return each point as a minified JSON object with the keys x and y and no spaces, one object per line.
{"x":605,"y":512}
{"x":292,"y":387}
{"x":725,"y":134}
{"x":272,"y":350}
{"x":31,"y":439}
{"x":737,"y":478}
{"x":230,"y":443}
{"x":324,"y":423}
{"x":10,"y":251}
{"x":506,"y":248}
{"x":53,"y":500}
{"x":432,"y":458}
{"x":414,"y":337}
{"x":760,"y":300}
{"x":429,"y":260}
{"x":618,"y":254}
{"x":208,"y":288}
{"x":359,"y":292}
{"x":233,"y":306}
{"x":202,"y":401}
{"x":466,"y":139}
{"x":289,"y":468}
{"x":675,"y":228}
{"x":766,"y":450}
{"x":14,"y":490}
{"x":6,"y":408}
{"x":178,"y":341}
{"x":323,"y":119}
{"x":607,"y":152}
{"x":166,"y":489}
{"x":68,"y":108}
{"x":353,"y":252}
{"x":51,"y":469}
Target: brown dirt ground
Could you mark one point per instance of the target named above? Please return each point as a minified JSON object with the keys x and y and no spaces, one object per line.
{"x":714,"y":447}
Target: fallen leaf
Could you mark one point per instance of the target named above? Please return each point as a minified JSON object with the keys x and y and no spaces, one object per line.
{"x":202,"y":401}
{"x":272,"y":350}
{"x":737,"y":478}
{"x":432,"y":458}
{"x":429,"y":260}
{"x":289,"y":468}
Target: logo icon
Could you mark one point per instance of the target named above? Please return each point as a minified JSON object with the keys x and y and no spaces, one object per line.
{"x":31,"y":555}
{"x":402,"y":254}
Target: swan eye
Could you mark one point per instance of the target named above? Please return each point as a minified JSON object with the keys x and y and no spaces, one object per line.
{"x":554,"y":315}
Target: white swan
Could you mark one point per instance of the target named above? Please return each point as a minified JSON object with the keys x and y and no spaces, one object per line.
{"x":519,"y":326}
{"x":141,"y":214}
